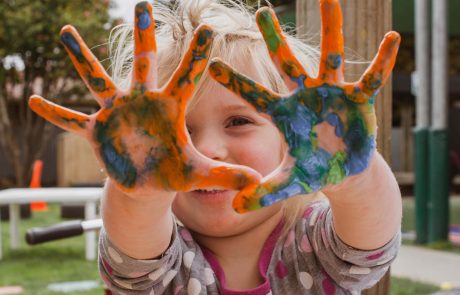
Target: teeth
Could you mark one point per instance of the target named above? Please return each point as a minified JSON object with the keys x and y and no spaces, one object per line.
{"x":209,"y":190}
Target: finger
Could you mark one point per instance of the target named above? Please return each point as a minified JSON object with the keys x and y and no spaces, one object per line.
{"x":279,"y":185}
{"x":230,"y":177}
{"x":253,"y":92}
{"x":289,"y":67}
{"x":87,"y":65}
{"x":208,"y":173}
{"x":380,"y":69}
{"x":188,"y":73}
{"x":331,"y":63}
{"x":62,"y":117}
{"x":145,"y":48}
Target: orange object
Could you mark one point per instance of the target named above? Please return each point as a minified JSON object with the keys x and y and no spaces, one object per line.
{"x":35,"y":183}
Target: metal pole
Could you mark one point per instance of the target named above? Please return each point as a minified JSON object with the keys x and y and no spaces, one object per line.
{"x":438,"y":142}
{"x":422,"y":63}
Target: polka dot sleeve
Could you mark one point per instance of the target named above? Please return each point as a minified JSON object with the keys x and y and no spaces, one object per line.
{"x":182,"y":269}
{"x":126,"y":275}
{"x":349,"y":268}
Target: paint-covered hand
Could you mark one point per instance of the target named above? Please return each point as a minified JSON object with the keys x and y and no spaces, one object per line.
{"x":328,"y":124}
{"x":140,"y":135}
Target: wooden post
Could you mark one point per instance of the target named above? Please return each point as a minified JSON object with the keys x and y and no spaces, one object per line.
{"x":365,"y":22}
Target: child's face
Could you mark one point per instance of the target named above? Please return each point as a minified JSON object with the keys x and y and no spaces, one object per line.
{"x":223,"y":127}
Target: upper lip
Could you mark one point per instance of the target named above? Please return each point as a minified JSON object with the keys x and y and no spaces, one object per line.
{"x":210,"y":190}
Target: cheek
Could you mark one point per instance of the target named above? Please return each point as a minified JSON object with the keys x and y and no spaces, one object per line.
{"x":262,"y":154}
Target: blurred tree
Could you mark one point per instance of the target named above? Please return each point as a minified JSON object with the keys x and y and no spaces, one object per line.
{"x":32,"y":61}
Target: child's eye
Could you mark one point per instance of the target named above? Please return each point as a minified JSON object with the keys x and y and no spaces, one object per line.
{"x":238,"y":121}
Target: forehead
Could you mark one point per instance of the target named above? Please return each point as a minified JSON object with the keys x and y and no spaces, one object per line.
{"x":217,"y":96}
{"x":208,"y":88}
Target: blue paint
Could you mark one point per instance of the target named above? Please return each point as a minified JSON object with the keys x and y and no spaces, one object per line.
{"x":314,"y":168}
{"x":334,"y":61}
{"x":357,"y":162}
{"x":359,"y":146}
{"x":119,"y":166}
{"x":373,"y":81}
{"x":301,"y":124}
{"x":296,"y":116}
{"x":292,"y":189}
{"x":72,"y":45}
{"x":144,"y":19}
{"x":335,"y":121}
{"x":323,"y":91}
{"x":300,"y":81}
{"x":108,"y":103}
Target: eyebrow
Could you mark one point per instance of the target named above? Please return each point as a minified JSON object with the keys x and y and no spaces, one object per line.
{"x":237,"y":107}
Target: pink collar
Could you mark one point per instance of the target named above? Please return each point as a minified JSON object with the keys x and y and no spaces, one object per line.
{"x":264,"y":262}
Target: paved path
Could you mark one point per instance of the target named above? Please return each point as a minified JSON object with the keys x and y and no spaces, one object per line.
{"x":425,"y":265}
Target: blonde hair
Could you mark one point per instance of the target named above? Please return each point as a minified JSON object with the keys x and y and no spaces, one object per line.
{"x":236,"y":38}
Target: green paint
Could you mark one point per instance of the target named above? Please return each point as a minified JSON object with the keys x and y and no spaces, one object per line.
{"x":305,"y":187}
{"x":197,"y":78}
{"x":314,"y":140}
{"x":336,"y":164}
{"x":272,"y":38}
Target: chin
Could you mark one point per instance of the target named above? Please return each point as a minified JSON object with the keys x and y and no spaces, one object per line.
{"x":216,"y":217}
{"x":216,"y":223}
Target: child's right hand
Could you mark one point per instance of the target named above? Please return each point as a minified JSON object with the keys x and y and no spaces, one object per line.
{"x":140,"y":136}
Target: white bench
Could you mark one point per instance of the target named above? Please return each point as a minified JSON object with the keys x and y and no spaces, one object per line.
{"x":14,"y":197}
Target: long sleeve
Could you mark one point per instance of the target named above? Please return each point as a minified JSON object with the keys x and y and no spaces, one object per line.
{"x":181,"y":269}
{"x":326,"y":261}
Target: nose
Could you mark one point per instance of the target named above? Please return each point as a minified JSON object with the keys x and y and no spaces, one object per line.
{"x":211,"y":144}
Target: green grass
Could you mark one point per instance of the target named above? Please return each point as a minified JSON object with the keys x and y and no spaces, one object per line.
{"x":34,"y":267}
{"x":407,"y":287}
{"x":408,"y":223}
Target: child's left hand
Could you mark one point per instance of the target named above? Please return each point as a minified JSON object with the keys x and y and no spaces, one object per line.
{"x":329,"y":125}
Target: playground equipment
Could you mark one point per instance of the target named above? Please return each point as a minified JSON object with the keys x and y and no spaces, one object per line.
{"x":35,"y":182}
{"x":62,"y":230}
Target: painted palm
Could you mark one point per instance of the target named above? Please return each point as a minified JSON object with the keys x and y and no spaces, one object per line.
{"x":328,"y":124}
{"x":140,"y":135}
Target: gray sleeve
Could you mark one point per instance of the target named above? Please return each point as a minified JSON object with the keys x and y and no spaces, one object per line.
{"x":126,"y":275}
{"x":182,"y":267}
{"x":350,"y":268}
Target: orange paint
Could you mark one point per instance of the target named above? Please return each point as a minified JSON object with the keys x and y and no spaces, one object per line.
{"x":140,"y":136}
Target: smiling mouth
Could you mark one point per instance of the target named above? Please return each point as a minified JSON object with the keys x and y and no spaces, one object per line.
{"x":212,"y":194}
{"x":209,"y":191}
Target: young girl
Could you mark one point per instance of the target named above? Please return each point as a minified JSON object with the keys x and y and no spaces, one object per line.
{"x":159,"y":241}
